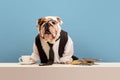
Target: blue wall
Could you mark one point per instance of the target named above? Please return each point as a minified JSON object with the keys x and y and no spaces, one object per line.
{"x":94,"y":26}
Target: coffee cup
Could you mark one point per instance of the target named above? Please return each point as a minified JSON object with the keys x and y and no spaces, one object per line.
{"x":25,"y":59}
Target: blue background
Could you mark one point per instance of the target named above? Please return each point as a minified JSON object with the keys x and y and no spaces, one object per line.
{"x":94,"y":26}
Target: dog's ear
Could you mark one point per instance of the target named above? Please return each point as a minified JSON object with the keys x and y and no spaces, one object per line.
{"x":59,"y":20}
{"x":39,"y":22}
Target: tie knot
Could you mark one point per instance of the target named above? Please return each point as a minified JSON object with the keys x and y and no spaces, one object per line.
{"x":51,"y":45}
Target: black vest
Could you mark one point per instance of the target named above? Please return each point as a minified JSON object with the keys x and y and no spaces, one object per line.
{"x":63,"y":41}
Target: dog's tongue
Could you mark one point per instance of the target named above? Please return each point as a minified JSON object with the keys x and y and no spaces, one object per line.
{"x":48,"y":36}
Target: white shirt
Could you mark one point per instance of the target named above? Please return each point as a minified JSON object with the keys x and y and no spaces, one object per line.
{"x":66,"y":57}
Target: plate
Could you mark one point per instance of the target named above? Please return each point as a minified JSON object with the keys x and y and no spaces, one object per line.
{"x":26,"y":63}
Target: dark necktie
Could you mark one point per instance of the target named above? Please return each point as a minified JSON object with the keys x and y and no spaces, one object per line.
{"x":51,"y":56}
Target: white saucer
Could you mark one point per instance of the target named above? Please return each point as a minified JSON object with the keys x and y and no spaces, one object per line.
{"x":26,"y":63}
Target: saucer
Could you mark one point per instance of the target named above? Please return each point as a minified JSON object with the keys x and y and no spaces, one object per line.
{"x":26,"y":63}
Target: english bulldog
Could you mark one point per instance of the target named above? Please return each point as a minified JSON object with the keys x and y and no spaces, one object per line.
{"x":50,"y":32}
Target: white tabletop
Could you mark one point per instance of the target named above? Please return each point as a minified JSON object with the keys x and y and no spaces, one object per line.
{"x":99,"y":71}
{"x":103,"y":64}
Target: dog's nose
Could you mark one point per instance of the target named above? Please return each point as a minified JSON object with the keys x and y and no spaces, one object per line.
{"x":47,"y":25}
{"x":47,"y":31}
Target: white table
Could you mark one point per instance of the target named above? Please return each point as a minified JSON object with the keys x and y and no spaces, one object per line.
{"x":100,"y":71}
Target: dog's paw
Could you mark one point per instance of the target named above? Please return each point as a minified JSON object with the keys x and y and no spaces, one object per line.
{"x":76,"y":62}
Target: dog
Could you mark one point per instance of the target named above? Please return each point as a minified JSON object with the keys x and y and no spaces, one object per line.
{"x":49,"y":31}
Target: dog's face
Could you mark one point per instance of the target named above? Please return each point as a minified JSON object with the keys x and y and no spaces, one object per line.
{"x":49,"y":28}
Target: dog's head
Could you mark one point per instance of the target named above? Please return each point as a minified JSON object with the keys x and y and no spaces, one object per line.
{"x":49,"y":28}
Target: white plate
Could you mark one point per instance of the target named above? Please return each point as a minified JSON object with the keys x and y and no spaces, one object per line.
{"x":26,"y":63}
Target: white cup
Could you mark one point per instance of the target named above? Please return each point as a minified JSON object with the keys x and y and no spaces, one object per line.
{"x":25,"y":58}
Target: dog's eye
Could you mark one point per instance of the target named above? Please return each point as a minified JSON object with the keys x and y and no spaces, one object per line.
{"x":53,"y":22}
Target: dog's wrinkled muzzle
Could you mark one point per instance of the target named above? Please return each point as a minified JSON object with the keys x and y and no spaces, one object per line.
{"x":49,"y":30}
{"x":48,"y":35}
